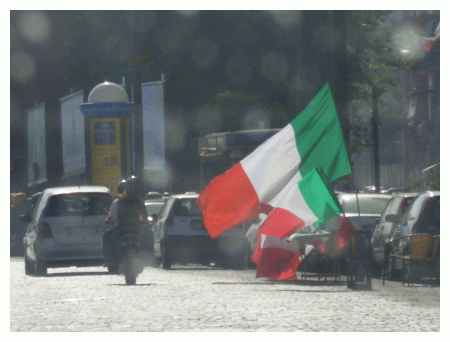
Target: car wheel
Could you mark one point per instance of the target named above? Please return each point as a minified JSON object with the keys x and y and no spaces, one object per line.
{"x":113,"y":269}
{"x":239,"y":262}
{"x":374,"y":266}
{"x":165,"y":259}
{"x":392,"y":273}
{"x":130,"y":279}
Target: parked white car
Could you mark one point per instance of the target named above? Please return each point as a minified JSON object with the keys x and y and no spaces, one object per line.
{"x":65,"y":228}
{"x":180,"y":237}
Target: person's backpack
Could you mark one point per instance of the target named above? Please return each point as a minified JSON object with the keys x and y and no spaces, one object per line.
{"x":129,"y":212}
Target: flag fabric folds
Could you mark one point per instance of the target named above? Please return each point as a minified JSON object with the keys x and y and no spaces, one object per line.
{"x":343,"y":233}
{"x":278,"y":259}
{"x":309,"y":202}
{"x":312,"y":140}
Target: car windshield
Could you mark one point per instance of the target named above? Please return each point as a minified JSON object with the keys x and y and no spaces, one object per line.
{"x":153,"y":208}
{"x":186,"y":207}
{"x":363,"y":205}
{"x":78,"y":204}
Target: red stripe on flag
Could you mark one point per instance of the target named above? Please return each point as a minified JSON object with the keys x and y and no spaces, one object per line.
{"x":280,"y":223}
{"x":278,"y":264}
{"x":344,"y":233}
{"x":229,"y":199}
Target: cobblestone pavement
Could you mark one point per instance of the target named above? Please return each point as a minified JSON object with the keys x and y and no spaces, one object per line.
{"x":210,"y":299}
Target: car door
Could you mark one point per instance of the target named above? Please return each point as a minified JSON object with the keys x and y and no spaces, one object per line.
{"x":158,"y":227}
{"x":413,"y":215}
{"x":93,"y":221}
{"x":378,"y":239}
{"x":30,"y":235}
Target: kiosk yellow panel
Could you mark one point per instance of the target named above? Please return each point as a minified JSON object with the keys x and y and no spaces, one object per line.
{"x":105,"y":147}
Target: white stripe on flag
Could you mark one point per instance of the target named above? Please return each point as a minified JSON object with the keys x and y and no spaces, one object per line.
{"x":272,"y":164}
{"x":291,"y":199}
{"x":268,"y":241}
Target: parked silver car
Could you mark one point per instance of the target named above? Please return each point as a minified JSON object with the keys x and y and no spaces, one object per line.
{"x":180,"y":237}
{"x":363,"y":209}
{"x":66,"y":228}
{"x":395,"y":209}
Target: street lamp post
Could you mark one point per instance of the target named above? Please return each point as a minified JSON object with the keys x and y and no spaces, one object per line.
{"x":375,"y":123}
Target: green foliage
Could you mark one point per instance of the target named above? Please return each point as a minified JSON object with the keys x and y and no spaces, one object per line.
{"x":373,"y":71}
{"x":369,"y":49}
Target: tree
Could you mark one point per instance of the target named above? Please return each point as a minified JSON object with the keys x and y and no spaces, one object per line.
{"x":373,"y":68}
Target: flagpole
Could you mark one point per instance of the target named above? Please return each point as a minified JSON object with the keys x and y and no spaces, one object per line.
{"x":357,"y":202}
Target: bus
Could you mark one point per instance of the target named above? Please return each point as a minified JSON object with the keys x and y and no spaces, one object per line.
{"x":219,"y":151}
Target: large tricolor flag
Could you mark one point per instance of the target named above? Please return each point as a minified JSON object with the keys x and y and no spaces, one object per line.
{"x":312,"y":140}
{"x":308,"y":202}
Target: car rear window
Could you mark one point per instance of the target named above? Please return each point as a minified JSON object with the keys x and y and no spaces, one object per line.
{"x":363,"y":205}
{"x":88,"y":204}
{"x":153,"y":208}
{"x":186,"y":207}
{"x":429,"y":220}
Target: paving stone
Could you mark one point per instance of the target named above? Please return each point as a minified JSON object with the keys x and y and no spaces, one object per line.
{"x":192,"y":298}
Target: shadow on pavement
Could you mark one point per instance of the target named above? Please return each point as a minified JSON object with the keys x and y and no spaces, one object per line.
{"x":138,"y":284}
{"x":76,"y":274}
{"x":317,"y":291}
{"x":319,"y":282}
{"x":294,"y":282}
{"x":196,"y":268}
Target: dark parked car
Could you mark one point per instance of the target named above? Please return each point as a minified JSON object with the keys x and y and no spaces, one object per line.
{"x":65,"y":228}
{"x":422,"y":217}
{"x":381,"y":236}
{"x":180,"y":237}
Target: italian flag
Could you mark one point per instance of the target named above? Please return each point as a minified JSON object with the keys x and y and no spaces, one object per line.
{"x":308,"y":202}
{"x":313,"y":140}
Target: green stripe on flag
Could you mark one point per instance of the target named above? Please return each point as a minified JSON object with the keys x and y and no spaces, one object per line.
{"x":319,"y":137}
{"x":318,"y":196}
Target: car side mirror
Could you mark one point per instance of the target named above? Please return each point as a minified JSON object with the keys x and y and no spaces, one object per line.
{"x":25,"y":217}
{"x":392,"y":218}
